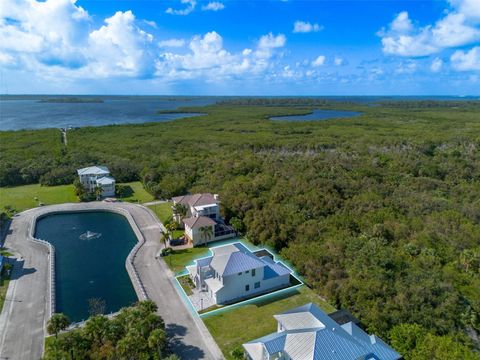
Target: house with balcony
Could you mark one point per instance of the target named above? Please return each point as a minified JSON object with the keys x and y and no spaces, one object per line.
{"x":306,"y":332}
{"x":97,"y":176}
{"x":202,"y":221}
{"x":234,"y":273}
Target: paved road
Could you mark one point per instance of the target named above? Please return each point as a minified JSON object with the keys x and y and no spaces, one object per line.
{"x":22,"y":323}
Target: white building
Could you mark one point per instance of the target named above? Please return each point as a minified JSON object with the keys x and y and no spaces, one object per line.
{"x":97,"y":176}
{"x":203,"y":211}
{"x":307,"y":333}
{"x":234,"y":273}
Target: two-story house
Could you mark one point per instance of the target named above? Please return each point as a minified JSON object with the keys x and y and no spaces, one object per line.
{"x":97,"y":176}
{"x":234,"y":273}
{"x":202,"y":222}
{"x":308,"y":333}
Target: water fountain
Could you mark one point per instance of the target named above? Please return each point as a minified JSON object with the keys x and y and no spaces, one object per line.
{"x":89,"y":235}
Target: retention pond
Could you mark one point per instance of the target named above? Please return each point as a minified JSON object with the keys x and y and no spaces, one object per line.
{"x":318,"y":115}
{"x":90,"y":253}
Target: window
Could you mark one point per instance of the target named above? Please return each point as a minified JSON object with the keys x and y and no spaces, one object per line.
{"x":239,"y":273}
{"x":257,"y":285}
{"x":246,"y":272}
{"x":253,"y":272}
{"x":247,"y":287}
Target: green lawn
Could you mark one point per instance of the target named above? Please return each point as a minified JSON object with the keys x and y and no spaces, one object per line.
{"x":233,"y":327}
{"x":4,"y":281}
{"x":23,"y":197}
{"x":162,"y":210}
{"x":181,"y":258}
{"x":138,"y":193}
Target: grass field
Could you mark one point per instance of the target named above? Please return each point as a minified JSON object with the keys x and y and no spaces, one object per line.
{"x":4,"y":281}
{"x":23,"y":197}
{"x":181,"y":258}
{"x":235,"y":326}
{"x":138,"y":193}
{"x":162,"y":210}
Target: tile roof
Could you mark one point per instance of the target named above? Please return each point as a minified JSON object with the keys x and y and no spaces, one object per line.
{"x":198,"y":221}
{"x":93,"y":170}
{"x":196,"y":199}
{"x":312,"y":335}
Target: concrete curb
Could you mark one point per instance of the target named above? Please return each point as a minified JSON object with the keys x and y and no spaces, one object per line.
{"x":74,"y":208}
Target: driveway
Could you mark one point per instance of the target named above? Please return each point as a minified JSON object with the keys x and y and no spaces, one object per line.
{"x":22,"y":322}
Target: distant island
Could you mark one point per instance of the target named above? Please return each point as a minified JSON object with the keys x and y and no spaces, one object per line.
{"x":70,"y":100}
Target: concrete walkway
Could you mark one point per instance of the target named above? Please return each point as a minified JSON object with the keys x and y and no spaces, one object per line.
{"x":22,"y":322}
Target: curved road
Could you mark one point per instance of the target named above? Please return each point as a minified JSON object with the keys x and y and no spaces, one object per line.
{"x":22,"y":321}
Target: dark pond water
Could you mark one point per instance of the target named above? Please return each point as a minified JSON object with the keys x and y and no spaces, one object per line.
{"x":89,"y":265}
{"x":318,"y":115}
{"x":31,"y":113}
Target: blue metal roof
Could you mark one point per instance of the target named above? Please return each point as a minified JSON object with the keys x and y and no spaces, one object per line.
{"x":204,"y":261}
{"x":276,"y":344}
{"x":240,"y":261}
{"x":330,"y":342}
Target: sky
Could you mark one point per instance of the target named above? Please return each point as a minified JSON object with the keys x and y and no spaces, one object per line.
{"x":240,"y":47}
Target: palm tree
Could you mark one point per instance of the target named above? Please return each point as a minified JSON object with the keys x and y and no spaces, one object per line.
{"x":163,"y":237}
{"x":180,"y":211}
{"x":57,"y":323}
{"x":157,"y":340}
{"x":171,"y":226}
{"x":206,"y":232}
{"x":98,"y":192}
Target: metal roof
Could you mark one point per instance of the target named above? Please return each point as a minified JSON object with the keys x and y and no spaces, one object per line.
{"x":94,"y":170}
{"x":106,"y":180}
{"x":312,"y":335}
{"x":235,"y":262}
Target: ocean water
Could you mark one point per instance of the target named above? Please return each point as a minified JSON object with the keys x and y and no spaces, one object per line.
{"x":27,"y":112}
{"x":90,"y":266}
{"x":30,"y":113}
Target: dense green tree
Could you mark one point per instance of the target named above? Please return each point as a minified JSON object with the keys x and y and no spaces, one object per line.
{"x":57,"y":323}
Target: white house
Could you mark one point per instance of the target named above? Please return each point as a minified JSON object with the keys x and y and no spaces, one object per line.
{"x":234,"y":273}
{"x":308,"y":333}
{"x":203,"y":210}
{"x":94,"y":176}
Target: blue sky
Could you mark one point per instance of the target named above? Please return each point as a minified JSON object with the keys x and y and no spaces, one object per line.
{"x":268,"y":47}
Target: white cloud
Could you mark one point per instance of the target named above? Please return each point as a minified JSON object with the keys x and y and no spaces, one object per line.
{"x":268,"y":43}
{"x":121,"y":45}
{"x":407,"y":67}
{"x":457,"y":28}
{"x":470,"y":8}
{"x":54,"y":36}
{"x":466,"y":60}
{"x":73,"y":48}
{"x":305,"y":27}
{"x":49,"y":29}
{"x":436,"y":65}
{"x":213,"y":6}
{"x":338,"y":61}
{"x":153,"y":24}
{"x":174,"y":43}
{"x":319,"y":61}
{"x":402,"y":23}
{"x":190,"y":6}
